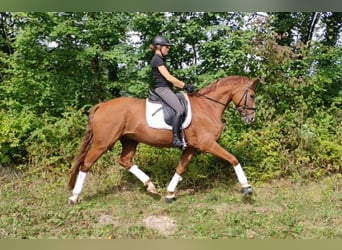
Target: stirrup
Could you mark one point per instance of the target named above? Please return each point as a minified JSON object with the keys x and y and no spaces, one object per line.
{"x":183,"y":140}
{"x":184,"y":143}
{"x":177,"y":142}
{"x":181,"y":146}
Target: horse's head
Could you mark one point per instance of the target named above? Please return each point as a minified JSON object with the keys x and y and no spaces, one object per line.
{"x":244,"y":99}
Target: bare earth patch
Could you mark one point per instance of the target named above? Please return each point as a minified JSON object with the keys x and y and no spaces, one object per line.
{"x":163,"y":224}
{"x":106,"y":219}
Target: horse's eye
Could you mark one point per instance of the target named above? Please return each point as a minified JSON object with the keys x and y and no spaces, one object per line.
{"x":252,"y":96}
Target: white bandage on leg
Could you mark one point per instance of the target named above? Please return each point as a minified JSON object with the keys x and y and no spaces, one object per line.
{"x":139,"y":174}
{"x":174,"y":182}
{"x":241,"y":175}
{"x":81,"y":178}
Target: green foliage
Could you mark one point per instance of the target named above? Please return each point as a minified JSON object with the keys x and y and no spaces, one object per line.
{"x":56,"y":142}
{"x":14,"y":130}
{"x":66,"y":59}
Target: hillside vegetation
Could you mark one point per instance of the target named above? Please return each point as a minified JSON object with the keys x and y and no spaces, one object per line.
{"x":55,"y":66}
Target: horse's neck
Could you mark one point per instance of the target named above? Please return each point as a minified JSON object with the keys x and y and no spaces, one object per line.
{"x":223,"y":96}
{"x":215,"y":103}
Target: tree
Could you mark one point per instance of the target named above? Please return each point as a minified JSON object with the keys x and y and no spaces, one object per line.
{"x":66,"y":59}
{"x":7,"y":37}
{"x":333,"y":22}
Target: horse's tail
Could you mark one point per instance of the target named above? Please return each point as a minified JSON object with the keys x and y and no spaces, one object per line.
{"x":85,"y":146}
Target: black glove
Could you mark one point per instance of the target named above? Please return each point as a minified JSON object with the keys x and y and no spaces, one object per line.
{"x":189,"y":88}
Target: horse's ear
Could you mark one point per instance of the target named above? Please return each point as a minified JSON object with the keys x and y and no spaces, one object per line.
{"x":253,"y":82}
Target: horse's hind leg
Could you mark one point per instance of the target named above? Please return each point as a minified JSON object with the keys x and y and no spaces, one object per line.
{"x":183,"y":163}
{"x":93,"y":154}
{"x":126,"y":160}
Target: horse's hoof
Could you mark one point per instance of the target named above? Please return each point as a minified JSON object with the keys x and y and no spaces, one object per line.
{"x":73,"y":200}
{"x":247,"y":191}
{"x":170,"y":200}
{"x":151,"y":188}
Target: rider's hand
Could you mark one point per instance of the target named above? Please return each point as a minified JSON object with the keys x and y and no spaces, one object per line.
{"x":189,"y":88}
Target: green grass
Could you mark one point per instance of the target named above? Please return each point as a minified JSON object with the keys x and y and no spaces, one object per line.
{"x":114,"y":205}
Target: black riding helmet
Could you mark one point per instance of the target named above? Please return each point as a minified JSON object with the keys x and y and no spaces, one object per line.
{"x":160,"y":40}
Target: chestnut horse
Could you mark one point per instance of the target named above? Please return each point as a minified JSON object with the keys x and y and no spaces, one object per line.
{"x":123,"y":119}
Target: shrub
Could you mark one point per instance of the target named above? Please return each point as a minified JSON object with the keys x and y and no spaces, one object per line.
{"x":56,"y":142}
{"x":15,"y":128}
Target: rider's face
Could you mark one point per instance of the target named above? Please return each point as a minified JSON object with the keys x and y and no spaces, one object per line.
{"x":165,"y":49}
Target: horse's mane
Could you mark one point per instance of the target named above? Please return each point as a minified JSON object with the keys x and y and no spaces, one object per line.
{"x":223,"y":81}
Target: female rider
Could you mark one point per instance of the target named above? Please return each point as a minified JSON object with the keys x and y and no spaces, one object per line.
{"x":164,"y":83}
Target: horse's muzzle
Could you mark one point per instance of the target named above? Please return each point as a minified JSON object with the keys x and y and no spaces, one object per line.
{"x":249,"y":118}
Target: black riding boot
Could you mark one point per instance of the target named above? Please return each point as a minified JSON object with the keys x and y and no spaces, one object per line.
{"x":176,"y":123}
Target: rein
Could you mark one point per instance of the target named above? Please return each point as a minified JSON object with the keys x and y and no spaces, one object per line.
{"x":238,"y":107}
{"x":211,"y":99}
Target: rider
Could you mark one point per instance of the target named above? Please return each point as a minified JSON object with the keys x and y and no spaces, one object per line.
{"x":164,"y":82}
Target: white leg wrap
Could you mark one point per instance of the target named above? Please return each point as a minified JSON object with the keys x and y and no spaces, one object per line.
{"x":139,"y":174}
{"x":174,"y":182}
{"x":81,"y":178}
{"x":241,"y":175}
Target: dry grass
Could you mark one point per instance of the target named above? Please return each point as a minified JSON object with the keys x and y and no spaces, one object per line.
{"x":116,"y":206}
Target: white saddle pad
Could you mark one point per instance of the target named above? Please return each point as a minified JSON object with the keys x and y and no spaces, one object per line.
{"x":155,"y":115}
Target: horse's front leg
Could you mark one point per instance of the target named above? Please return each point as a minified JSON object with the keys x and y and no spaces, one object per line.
{"x":183,"y":163}
{"x":218,"y":151}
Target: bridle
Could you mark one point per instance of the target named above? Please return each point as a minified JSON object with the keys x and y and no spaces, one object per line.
{"x":238,"y":107}
{"x":243,"y":108}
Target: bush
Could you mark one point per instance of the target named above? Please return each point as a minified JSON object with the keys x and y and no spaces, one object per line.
{"x":56,"y":142}
{"x":15,"y":128}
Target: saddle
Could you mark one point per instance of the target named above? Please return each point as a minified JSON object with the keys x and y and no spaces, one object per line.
{"x":160,"y":115}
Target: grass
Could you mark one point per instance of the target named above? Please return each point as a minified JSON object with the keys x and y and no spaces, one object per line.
{"x":114,"y":205}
